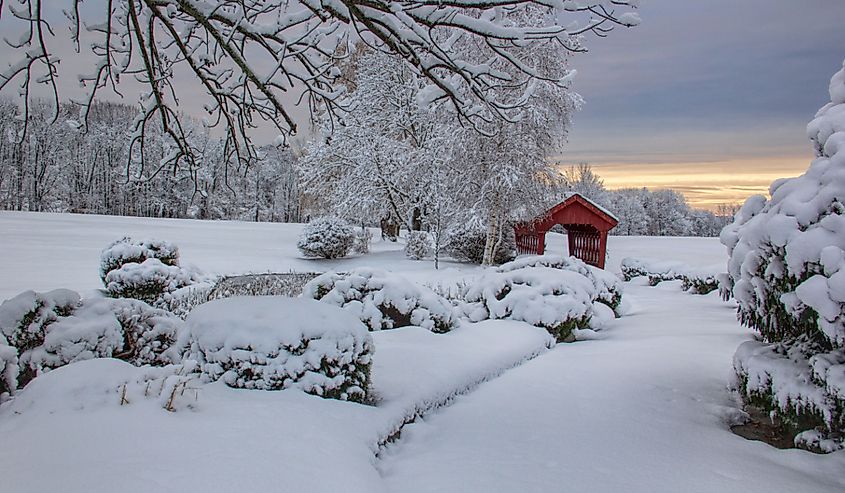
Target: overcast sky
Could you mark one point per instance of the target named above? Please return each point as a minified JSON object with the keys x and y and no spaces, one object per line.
{"x":711,"y":97}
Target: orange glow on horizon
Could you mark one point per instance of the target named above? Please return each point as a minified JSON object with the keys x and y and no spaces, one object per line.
{"x":705,"y":184}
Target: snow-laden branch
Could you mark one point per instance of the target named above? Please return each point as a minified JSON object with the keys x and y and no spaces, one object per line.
{"x":252,"y":60}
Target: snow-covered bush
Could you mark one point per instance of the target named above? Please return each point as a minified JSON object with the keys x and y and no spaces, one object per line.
{"x":466,"y":242}
{"x":8,"y":368}
{"x":274,"y":343}
{"x":147,"y":281}
{"x":144,"y":269}
{"x":696,"y":281}
{"x":326,"y":237}
{"x":90,"y":331}
{"x":126,"y":250}
{"x":25,"y":318}
{"x":558,"y":300}
{"x":53,"y":329}
{"x":787,"y":270}
{"x":363,"y":237}
{"x":607,"y":286}
{"x":700,"y":282}
{"x":418,"y":245}
{"x":149,"y":334}
{"x":383,"y":300}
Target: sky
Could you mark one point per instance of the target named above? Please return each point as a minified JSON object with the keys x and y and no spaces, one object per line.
{"x":709,"y":97}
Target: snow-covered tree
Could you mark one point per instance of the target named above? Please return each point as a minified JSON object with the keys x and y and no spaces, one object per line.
{"x":375,"y":161}
{"x":787,"y":267}
{"x":583,"y":180}
{"x":243,"y":56}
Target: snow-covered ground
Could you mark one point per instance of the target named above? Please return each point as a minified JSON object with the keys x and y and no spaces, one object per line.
{"x":48,"y":251}
{"x":644,"y":407}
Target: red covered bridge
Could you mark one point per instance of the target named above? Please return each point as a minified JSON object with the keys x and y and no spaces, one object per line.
{"x":586,"y":224}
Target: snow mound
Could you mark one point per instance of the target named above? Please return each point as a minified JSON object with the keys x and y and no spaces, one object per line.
{"x":383,"y":300}
{"x":274,"y":342}
{"x":608,"y":287}
{"x":557,"y":300}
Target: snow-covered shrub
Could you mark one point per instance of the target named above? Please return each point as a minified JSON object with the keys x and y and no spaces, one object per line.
{"x":147,"y":281}
{"x":149,"y":334}
{"x":90,"y":331}
{"x":696,"y":281}
{"x":126,"y":250}
{"x":555,"y":299}
{"x":631,"y":268}
{"x":144,"y":269}
{"x":363,"y":237}
{"x":25,"y":318}
{"x":418,"y":245}
{"x":326,"y":237}
{"x":274,"y":343}
{"x":8,"y":368}
{"x":382,"y":300}
{"x":699,"y":282}
{"x":787,"y":266}
{"x":53,"y":329}
{"x":466,"y":242}
{"x":607,"y":286}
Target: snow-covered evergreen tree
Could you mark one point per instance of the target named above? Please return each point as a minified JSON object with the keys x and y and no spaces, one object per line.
{"x":787,"y":268}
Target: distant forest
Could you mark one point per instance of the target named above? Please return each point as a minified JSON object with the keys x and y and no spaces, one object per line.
{"x":59,"y":168}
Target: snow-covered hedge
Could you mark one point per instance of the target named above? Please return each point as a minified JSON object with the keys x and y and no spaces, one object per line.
{"x":383,"y":300}
{"x":418,"y":245}
{"x":126,"y":250}
{"x":326,"y":237}
{"x":558,"y":300}
{"x":608,"y":287}
{"x":274,"y":343}
{"x":696,"y":281}
{"x":53,"y":329}
{"x":787,"y":271}
{"x":466,"y":242}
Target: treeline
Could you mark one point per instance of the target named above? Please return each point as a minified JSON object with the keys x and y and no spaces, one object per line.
{"x":57,"y":167}
{"x":644,"y":212}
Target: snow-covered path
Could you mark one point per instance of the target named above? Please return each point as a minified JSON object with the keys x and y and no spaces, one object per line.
{"x":645,"y":409}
